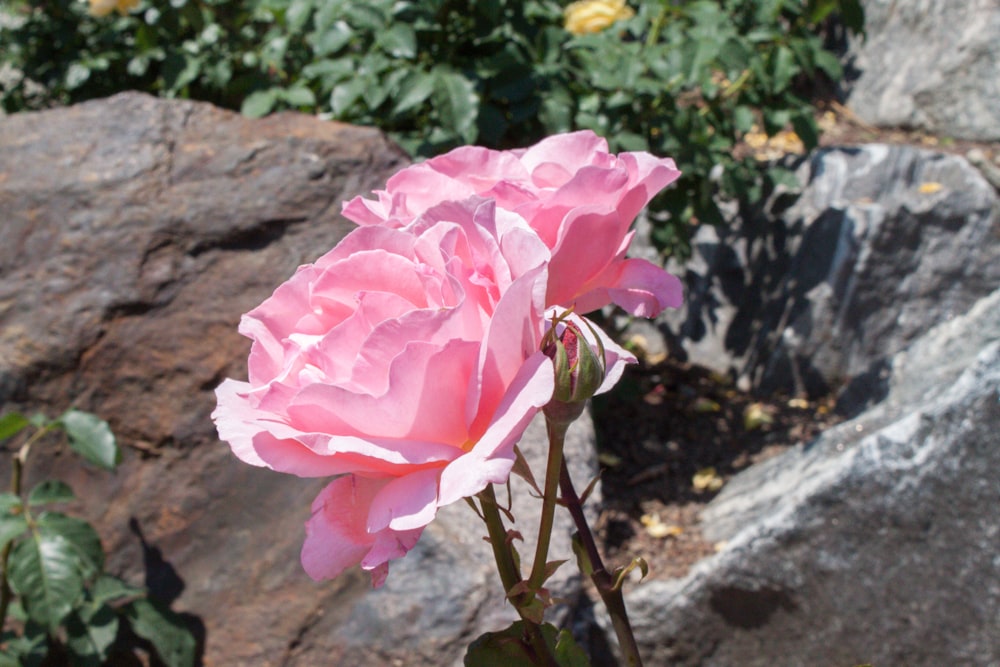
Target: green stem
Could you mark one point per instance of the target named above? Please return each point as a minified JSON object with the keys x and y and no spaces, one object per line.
{"x":654,"y":30}
{"x":509,"y":574}
{"x":498,"y":539}
{"x":612,"y":596}
{"x":557,"y":438}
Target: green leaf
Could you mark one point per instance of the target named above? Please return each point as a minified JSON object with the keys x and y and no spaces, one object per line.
{"x":109,"y":588}
{"x":29,"y":649}
{"x":414,"y":89}
{"x":259,"y":103}
{"x":46,"y":571}
{"x":91,"y":437}
{"x":457,"y":103}
{"x":90,"y":632}
{"x":11,"y":424}
{"x":298,"y":96}
{"x":331,"y":40}
{"x":805,"y":126}
{"x":77,"y":75}
{"x":178,"y":70}
{"x":511,"y":647}
{"x":523,"y":470}
{"x":50,"y":491}
{"x":830,"y":64}
{"x":785,"y":68}
{"x":568,"y":652}
{"x":783,"y":176}
{"x":297,"y":14}
{"x":173,"y":641}
{"x":344,"y":95}
{"x":81,"y":535}
{"x":9,"y":503}
{"x":11,"y":528}
{"x":775,"y":120}
{"x":852,"y":12}
{"x":743,"y":118}
{"x":366,"y":16}
{"x":399,"y":41}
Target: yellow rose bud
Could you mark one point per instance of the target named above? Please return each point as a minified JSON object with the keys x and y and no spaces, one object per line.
{"x":588,"y":16}
{"x":104,"y":7}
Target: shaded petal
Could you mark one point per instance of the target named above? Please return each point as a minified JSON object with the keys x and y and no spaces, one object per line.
{"x":406,"y":502}
{"x":336,"y":536}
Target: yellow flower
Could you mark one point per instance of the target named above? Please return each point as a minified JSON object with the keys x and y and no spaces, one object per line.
{"x":587,"y":16}
{"x":105,"y":7}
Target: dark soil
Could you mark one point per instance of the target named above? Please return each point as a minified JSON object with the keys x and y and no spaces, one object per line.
{"x":659,"y":428}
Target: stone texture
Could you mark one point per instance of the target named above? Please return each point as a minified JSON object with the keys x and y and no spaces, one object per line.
{"x":932,"y":65}
{"x":883,"y":243}
{"x":877,"y":543}
{"x":136,"y":231}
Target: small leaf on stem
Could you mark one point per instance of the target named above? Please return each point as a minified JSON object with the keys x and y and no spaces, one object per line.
{"x":91,"y":437}
{"x":523,"y":470}
{"x":622,"y":572}
{"x":50,"y":491}
{"x":11,"y":424}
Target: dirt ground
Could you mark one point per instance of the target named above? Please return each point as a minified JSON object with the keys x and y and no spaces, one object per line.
{"x":669,"y":436}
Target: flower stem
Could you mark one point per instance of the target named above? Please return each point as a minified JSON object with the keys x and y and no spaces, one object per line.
{"x":557,"y":438}
{"x":611,"y":595}
{"x":509,"y":574}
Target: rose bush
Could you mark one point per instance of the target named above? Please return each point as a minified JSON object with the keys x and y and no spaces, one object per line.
{"x":579,"y":198}
{"x":407,"y":361}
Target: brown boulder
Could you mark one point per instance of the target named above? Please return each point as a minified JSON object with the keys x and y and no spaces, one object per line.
{"x":136,"y":233}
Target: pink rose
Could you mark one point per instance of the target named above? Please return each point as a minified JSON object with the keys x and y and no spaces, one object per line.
{"x":408,"y":362}
{"x":580,"y":199}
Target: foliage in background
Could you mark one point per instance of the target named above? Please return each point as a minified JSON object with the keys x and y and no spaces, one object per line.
{"x":684,"y":78}
{"x":65,"y":608}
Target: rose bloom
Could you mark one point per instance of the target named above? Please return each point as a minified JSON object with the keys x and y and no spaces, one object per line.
{"x":104,"y":7}
{"x":587,"y":16}
{"x":406,"y":362}
{"x":578,"y":197}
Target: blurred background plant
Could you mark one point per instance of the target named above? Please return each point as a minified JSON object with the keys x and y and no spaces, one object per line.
{"x":58,"y":606}
{"x":685,"y":78}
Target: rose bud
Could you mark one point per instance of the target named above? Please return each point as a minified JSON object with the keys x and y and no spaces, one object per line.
{"x":579,"y":370}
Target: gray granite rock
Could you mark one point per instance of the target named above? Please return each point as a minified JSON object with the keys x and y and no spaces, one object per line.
{"x":932,"y":65}
{"x":884,"y":243}
{"x":877,"y":543}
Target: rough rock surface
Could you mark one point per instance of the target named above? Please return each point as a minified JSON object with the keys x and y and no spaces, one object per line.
{"x":877,"y":543}
{"x":135,"y":233}
{"x":883,"y":243}
{"x":931,"y":65}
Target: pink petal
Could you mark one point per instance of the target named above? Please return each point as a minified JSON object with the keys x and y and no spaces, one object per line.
{"x":336,"y":537}
{"x":491,"y":458}
{"x":234,"y":418}
{"x":589,"y":237}
{"x":411,"y":407}
{"x":639,"y":287}
{"x":514,"y":333}
{"x":406,"y":502}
